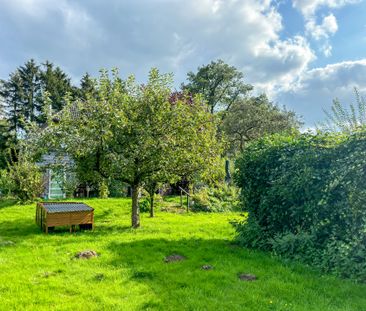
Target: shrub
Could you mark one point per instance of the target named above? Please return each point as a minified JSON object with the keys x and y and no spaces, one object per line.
{"x":305,"y":197}
{"x":144,"y":202}
{"x":144,"y":205}
{"x":23,"y":180}
{"x":103,"y":189}
{"x":221,"y":198}
{"x":299,"y":246}
{"x":6,"y":183}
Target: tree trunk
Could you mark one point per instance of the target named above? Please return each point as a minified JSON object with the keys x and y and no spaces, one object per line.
{"x":135,"y":206}
{"x":152,"y":205}
{"x":227,"y":172}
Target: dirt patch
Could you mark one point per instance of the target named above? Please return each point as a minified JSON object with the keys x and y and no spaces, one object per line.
{"x":86,"y":254}
{"x":174,"y":258}
{"x":207,"y":267}
{"x":247,"y":277}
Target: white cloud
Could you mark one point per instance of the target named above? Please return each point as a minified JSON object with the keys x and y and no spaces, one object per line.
{"x":322,"y":32}
{"x":318,"y":87}
{"x":327,"y":27}
{"x":173,"y":35}
{"x":309,"y":7}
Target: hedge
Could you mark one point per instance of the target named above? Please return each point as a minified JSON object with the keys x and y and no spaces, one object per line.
{"x":306,"y":199}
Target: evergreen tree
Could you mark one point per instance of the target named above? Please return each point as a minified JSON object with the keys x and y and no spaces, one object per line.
{"x":11,"y":92}
{"x":23,"y":93}
{"x":57,"y":83}
{"x":87,"y":86}
{"x":30,"y":93}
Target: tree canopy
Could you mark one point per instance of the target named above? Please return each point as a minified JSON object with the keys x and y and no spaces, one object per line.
{"x":137,"y":133}
{"x":219,"y":83}
{"x":254,"y":117}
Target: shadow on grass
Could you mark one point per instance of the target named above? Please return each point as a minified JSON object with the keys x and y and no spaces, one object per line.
{"x":18,"y":228}
{"x":7,"y":203}
{"x":27,"y":228}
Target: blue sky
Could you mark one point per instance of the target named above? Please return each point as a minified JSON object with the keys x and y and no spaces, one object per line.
{"x":302,"y":53}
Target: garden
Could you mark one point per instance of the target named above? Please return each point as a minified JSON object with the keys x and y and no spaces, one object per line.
{"x":209,"y":197}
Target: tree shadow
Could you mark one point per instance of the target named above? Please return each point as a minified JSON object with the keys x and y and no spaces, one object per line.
{"x":18,"y":228}
{"x":7,"y":203}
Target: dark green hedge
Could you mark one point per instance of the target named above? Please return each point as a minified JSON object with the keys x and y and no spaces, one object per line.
{"x":306,"y":199}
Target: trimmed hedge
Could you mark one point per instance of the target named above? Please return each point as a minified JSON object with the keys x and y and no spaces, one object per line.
{"x":306,"y":199}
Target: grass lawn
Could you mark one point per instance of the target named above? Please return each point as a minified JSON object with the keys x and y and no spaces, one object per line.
{"x":38,"y":271}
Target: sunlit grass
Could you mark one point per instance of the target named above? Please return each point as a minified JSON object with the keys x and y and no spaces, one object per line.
{"x":38,"y":271}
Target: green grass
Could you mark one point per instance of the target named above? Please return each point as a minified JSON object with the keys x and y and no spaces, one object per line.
{"x":38,"y":272}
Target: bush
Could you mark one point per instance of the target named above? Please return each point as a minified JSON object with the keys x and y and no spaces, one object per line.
{"x":144,"y":202}
{"x":221,"y":198}
{"x":305,"y":197}
{"x":103,"y":189}
{"x":23,"y":180}
{"x":299,"y":246}
{"x":6,"y":184}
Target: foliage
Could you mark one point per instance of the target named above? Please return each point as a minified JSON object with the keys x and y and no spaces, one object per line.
{"x":57,"y":84}
{"x":254,"y":117}
{"x":23,"y":180}
{"x":136,"y":133}
{"x":304,"y":194}
{"x":221,"y":198}
{"x":219,"y":83}
{"x":117,"y":189}
{"x":5,"y":143}
{"x":69,"y":183}
{"x":103,"y":189}
{"x":346,"y":119}
{"x":131,"y":273}
{"x":23,"y":92}
{"x":6,"y":184}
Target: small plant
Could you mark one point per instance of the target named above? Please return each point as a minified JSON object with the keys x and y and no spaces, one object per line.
{"x":221,"y":198}
{"x":103,"y":190}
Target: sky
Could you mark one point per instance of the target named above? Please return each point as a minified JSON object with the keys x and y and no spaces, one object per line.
{"x":302,"y":53}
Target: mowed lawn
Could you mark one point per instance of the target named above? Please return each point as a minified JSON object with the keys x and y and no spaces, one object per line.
{"x":39,"y":272}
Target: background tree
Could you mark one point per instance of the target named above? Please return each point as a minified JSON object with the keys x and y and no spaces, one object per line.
{"x":346,"y":119}
{"x":87,"y":87}
{"x":5,"y":142}
{"x":57,"y":83}
{"x":220,"y":84}
{"x":22,"y":93}
{"x":11,"y":92}
{"x":30,"y":93}
{"x":253,"y":117}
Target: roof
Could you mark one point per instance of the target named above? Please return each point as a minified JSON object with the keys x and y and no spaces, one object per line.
{"x":62,"y":207}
